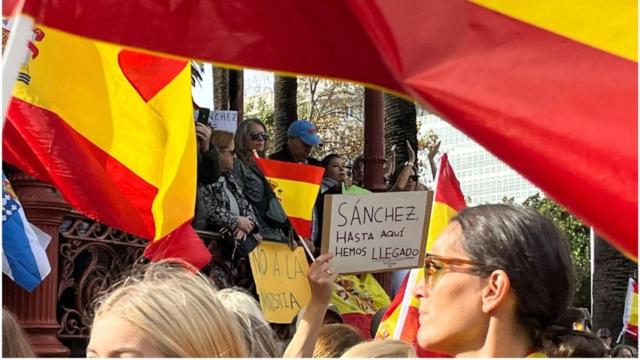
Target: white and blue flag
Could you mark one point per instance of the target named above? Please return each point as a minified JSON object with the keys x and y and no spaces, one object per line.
{"x":24,"y":257}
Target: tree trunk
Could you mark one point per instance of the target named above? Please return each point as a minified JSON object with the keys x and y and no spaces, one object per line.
{"x":285,"y":108}
{"x":399,"y":125}
{"x":610,"y":278}
{"x":236,"y":92}
{"x":221,"y":88}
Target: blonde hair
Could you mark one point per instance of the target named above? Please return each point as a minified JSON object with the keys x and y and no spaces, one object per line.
{"x":176,"y":307}
{"x":335,"y":339}
{"x":15,"y":343}
{"x":260,"y":338}
{"x":236,"y":299}
{"x":221,"y":139}
{"x":381,"y":349}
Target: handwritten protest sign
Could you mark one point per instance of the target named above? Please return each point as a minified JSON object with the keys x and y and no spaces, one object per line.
{"x":224,"y":120}
{"x":376,"y":232}
{"x":281,"y":280}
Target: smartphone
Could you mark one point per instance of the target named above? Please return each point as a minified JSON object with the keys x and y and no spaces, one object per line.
{"x":203,"y":116}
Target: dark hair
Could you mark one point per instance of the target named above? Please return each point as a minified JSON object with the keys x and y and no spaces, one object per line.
{"x":571,"y":343}
{"x":531,"y":250}
{"x":396,"y":174}
{"x":618,"y":349}
{"x":377,"y":319}
{"x":327,"y":159}
{"x":357,"y":161}
{"x":244,"y":154}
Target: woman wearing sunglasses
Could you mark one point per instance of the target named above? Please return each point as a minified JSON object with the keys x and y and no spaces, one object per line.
{"x":496,"y":281}
{"x":251,"y":137}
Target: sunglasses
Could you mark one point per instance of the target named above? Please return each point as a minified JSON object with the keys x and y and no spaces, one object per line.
{"x":257,"y":136}
{"x":436,"y":266}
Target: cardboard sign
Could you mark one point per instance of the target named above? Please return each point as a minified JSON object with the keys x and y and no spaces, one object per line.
{"x":376,"y":232}
{"x":224,"y":120}
{"x":281,"y":280}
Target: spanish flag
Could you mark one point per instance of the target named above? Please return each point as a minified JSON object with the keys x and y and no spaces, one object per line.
{"x":112,"y":130}
{"x":630,"y":319}
{"x":550,"y":87}
{"x":296,"y":186}
{"x":400,"y":322}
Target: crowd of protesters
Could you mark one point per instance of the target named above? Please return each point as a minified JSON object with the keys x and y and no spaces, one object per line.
{"x":486,"y":290}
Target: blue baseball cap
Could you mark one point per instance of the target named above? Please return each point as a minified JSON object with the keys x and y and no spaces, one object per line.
{"x":306,"y":131}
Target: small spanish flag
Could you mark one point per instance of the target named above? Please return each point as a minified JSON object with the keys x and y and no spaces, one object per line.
{"x":400,"y":322}
{"x":297,"y":187}
{"x":631,"y":311}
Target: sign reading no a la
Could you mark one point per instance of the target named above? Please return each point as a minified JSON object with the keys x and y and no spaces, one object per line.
{"x":376,"y":232}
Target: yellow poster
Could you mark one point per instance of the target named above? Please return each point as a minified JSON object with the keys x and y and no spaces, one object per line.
{"x":281,"y":280}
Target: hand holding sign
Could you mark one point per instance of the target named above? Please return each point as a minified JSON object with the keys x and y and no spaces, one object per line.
{"x":321,"y":278}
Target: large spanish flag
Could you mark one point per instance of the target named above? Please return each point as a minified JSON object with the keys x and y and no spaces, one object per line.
{"x":400,"y":322}
{"x":112,"y":130}
{"x":548,"y":86}
{"x":296,"y":186}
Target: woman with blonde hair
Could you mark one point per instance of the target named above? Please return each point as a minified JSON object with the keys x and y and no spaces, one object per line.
{"x":167,"y":310}
{"x":260,"y":338}
{"x":381,"y":349}
{"x":14,"y":340}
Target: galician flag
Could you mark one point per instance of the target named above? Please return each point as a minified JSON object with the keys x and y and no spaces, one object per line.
{"x":24,"y":257}
{"x":400,"y":322}
{"x":296,"y":186}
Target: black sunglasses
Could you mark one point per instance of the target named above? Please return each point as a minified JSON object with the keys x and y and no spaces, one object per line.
{"x":257,"y":136}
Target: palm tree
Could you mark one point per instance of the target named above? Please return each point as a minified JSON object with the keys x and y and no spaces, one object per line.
{"x":610,"y":278}
{"x":285,"y":108}
{"x":399,"y":125}
{"x":221,"y":88}
{"x":236,"y":92}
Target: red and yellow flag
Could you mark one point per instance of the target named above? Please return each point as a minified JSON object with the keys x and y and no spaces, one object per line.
{"x":400,"y":322}
{"x":112,"y":130}
{"x":297,"y":187}
{"x":549,"y":87}
{"x":630,"y":319}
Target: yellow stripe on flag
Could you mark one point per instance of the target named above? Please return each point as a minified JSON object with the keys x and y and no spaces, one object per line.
{"x":633,"y":314}
{"x":176,"y":194}
{"x":441,"y":214}
{"x":611,"y":26}
{"x":297,"y":197}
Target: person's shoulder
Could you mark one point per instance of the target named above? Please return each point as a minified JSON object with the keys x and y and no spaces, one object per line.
{"x":280,"y":155}
{"x":314,"y":161}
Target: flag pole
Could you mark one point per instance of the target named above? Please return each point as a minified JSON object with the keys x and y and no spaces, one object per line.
{"x":15,"y":52}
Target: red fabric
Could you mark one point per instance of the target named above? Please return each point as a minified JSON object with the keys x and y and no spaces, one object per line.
{"x":148,"y":74}
{"x":448,"y":191}
{"x":561,"y":113}
{"x":301,"y":226}
{"x":40,"y":143}
{"x":360,"y":321}
{"x":182,"y":243}
{"x":291,"y":171}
